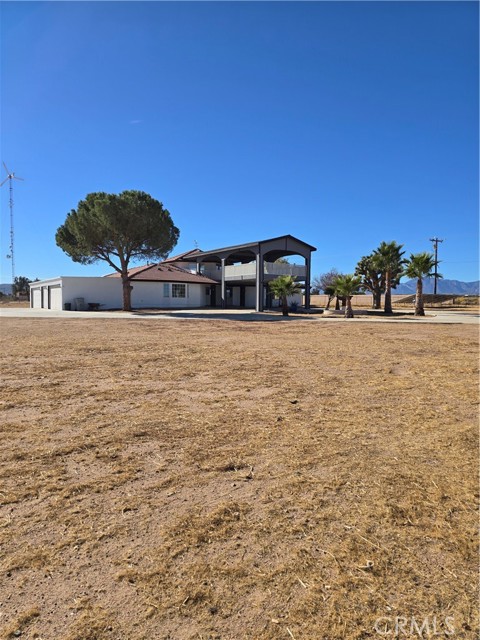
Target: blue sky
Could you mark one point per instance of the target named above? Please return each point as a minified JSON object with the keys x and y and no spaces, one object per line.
{"x":341,"y":123}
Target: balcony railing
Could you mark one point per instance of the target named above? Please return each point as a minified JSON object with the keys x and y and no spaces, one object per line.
{"x":247,"y":271}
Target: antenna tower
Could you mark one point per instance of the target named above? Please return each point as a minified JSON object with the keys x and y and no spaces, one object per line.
{"x":11,"y":177}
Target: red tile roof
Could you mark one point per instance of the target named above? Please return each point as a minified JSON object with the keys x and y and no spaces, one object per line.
{"x":162,"y":272}
{"x":133,"y":270}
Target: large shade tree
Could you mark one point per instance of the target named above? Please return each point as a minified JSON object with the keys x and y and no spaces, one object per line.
{"x":373,"y":279}
{"x":118,"y":228}
{"x":388,"y":260}
{"x":283,"y":288}
{"x":419,"y":266}
{"x":347,"y":286}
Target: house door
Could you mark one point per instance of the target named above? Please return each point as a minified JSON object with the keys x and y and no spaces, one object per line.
{"x":213,"y":297}
{"x":242,"y":296}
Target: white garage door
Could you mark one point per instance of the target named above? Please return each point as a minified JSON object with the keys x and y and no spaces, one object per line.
{"x":37,"y":298}
{"x":56,"y":297}
{"x":44,"y":297}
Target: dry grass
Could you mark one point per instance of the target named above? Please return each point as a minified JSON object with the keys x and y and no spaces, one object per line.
{"x":208,"y":479}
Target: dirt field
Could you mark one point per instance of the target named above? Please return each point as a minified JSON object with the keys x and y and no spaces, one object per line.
{"x":238,"y":480}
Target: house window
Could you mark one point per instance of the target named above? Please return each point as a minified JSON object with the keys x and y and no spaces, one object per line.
{"x":166,"y":290}
{"x":179,"y":291}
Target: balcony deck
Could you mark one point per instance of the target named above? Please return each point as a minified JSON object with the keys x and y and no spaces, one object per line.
{"x":246,"y":272}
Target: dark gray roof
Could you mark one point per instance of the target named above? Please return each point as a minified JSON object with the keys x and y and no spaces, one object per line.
{"x":243,"y":252}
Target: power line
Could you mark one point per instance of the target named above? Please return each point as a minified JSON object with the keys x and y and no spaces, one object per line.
{"x":435,"y":247}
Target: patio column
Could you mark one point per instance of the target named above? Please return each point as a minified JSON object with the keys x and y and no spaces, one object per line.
{"x":259,"y":279}
{"x":224,"y":287}
{"x":307,"y":281}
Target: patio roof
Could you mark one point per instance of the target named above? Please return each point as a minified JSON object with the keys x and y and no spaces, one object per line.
{"x":275,"y":247}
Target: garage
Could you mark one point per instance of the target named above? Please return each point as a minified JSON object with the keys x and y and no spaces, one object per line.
{"x":47,"y":294}
{"x":55,"y":297}
{"x":61,"y":293}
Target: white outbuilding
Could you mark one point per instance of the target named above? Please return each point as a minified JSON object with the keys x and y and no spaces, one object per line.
{"x":75,"y":293}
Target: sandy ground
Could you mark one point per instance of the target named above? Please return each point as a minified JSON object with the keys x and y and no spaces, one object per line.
{"x":238,"y":480}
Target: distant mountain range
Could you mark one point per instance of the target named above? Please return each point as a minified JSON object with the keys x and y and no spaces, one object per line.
{"x":6,"y":289}
{"x":456,"y":287}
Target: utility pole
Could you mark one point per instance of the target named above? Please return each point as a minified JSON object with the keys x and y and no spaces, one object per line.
{"x":435,"y":247}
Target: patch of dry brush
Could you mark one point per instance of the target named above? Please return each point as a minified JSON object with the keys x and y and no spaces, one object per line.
{"x":236,"y":480}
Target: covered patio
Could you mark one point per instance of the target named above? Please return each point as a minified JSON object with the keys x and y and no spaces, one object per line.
{"x":252,"y":262}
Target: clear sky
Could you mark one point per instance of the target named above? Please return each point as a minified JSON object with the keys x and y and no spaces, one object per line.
{"x":341,"y":123}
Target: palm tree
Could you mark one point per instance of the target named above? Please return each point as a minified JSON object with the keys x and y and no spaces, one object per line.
{"x":345,"y":287}
{"x":283,"y":287}
{"x":420,"y":265}
{"x":388,"y":260}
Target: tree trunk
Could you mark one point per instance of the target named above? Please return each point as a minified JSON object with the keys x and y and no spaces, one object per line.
{"x":348,"y":308}
{"x":388,"y":293}
{"x":337,"y":304}
{"x":377,"y":299}
{"x":127,"y":293}
{"x":419,"y":310}
{"x":284,"y":306}
{"x":330,"y":298}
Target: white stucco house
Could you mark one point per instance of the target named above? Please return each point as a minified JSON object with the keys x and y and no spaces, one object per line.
{"x":235,"y":276}
{"x":158,"y":285}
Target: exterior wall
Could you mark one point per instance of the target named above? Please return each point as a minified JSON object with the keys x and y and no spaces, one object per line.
{"x":297,"y":298}
{"x":208,"y":269}
{"x":211,"y":270}
{"x":151,"y":294}
{"x":106,"y":291}
{"x":250,"y":298}
{"x":234,"y":301}
{"x":357,"y":301}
